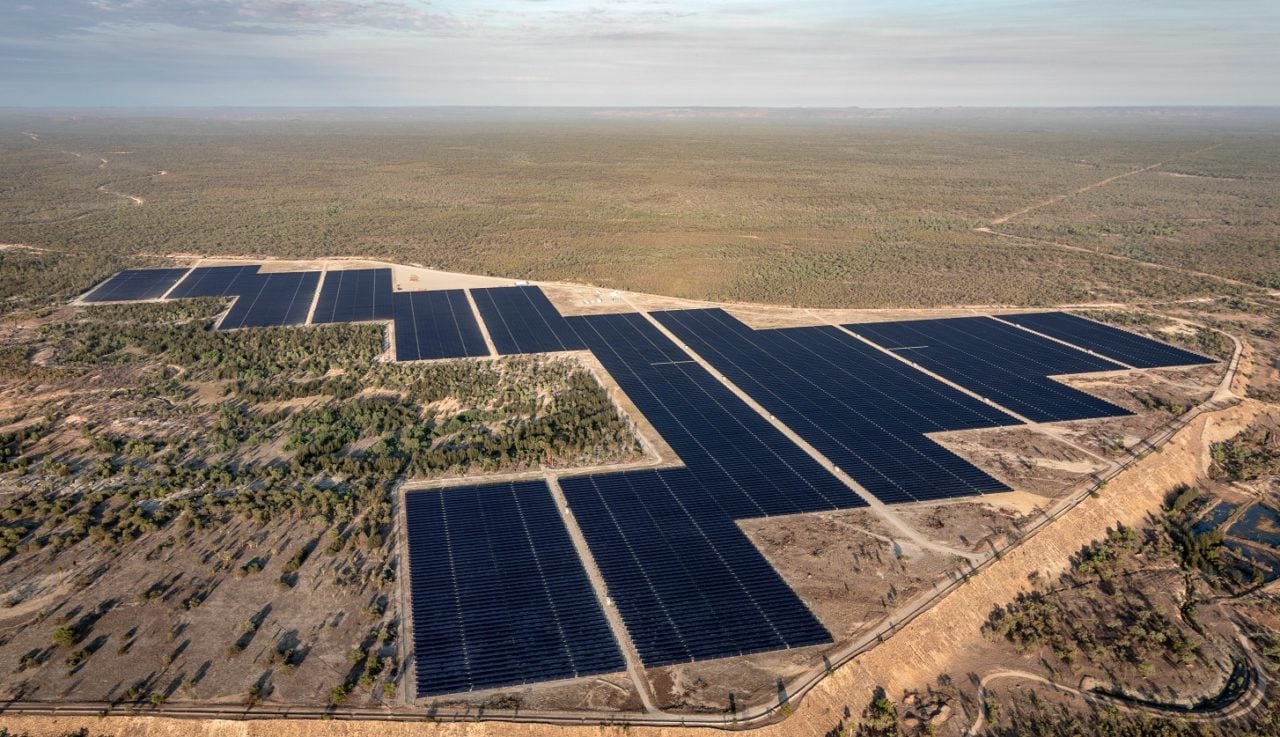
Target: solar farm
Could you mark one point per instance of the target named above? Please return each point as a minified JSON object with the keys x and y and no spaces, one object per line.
{"x":513,"y":583}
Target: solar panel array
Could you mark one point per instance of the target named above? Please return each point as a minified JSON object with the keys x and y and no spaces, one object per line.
{"x":688,"y":582}
{"x":1114,"y":343}
{"x":864,"y":410}
{"x":270,"y":300}
{"x":354,"y":295}
{"x":217,"y":281}
{"x":1003,"y":363}
{"x":523,"y":320}
{"x":500,"y":597}
{"x":135,"y":284}
{"x":432,"y":325}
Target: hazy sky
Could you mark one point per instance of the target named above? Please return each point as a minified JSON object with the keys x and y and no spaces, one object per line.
{"x":639,"y":52}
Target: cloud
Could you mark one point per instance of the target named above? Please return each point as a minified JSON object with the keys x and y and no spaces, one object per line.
{"x":640,"y":52}
{"x":54,"y":17}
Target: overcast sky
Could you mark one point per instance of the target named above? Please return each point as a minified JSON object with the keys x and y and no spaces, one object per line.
{"x":870,"y":53}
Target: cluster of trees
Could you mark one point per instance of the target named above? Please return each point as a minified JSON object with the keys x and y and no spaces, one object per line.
{"x":311,"y":426}
{"x":14,"y":443}
{"x":1128,"y":632}
{"x":1252,"y":454}
{"x":1120,"y":627}
{"x":180,"y":332}
{"x":52,"y":521}
{"x":370,"y":660}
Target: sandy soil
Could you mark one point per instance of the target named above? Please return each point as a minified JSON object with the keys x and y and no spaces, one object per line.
{"x":169,"y":647}
{"x":847,"y":566}
{"x":575,"y":299}
{"x":405,"y":278}
{"x":1025,"y":458}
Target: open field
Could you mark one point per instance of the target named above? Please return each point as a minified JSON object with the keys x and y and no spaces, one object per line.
{"x":845,"y":212}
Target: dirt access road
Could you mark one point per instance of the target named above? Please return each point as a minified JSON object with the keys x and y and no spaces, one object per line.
{"x":1088,"y":187}
{"x":990,"y":228}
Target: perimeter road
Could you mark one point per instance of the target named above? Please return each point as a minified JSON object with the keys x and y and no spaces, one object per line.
{"x":484,"y":329}
{"x":877,"y":506}
{"x":635,"y":669}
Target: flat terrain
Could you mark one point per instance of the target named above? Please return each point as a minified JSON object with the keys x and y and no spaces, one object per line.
{"x":260,"y":584}
{"x":211,"y":518}
{"x":849,"y":211}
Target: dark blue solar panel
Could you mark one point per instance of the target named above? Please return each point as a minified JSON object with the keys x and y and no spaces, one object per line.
{"x":1001,"y":362}
{"x":523,"y":320}
{"x":217,"y":281}
{"x":688,"y":583}
{"x":864,"y":410}
{"x":269,"y":300}
{"x":438,"y":324}
{"x":135,"y":284}
{"x":354,"y":296}
{"x":499,"y":596}
{"x":1112,"y":342}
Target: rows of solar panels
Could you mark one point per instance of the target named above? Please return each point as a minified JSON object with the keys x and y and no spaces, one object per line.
{"x":500,"y":597}
{"x":861,"y":408}
{"x":135,"y":284}
{"x":427,"y":325}
{"x":1003,"y":363}
{"x":1114,"y":343}
{"x":523,"y":320}
{"x":688,"y":584}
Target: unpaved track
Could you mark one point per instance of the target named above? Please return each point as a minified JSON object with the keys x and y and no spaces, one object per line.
{"x":635,"y":667}
{"x":102,"y":164}
{"x":1239,"y":707}
{"x":989,"y":228}
{"x":1118,"y":257}
{"x":935,"y":641}
{"x":132,"y":198}
{"x":1089,"y":187}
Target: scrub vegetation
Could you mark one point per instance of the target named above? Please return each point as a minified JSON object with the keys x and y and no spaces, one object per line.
{"x":874,"y":211}
{"x":154,"y":468}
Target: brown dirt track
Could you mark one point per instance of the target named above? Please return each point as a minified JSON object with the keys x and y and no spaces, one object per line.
{"x":936,"y":642}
